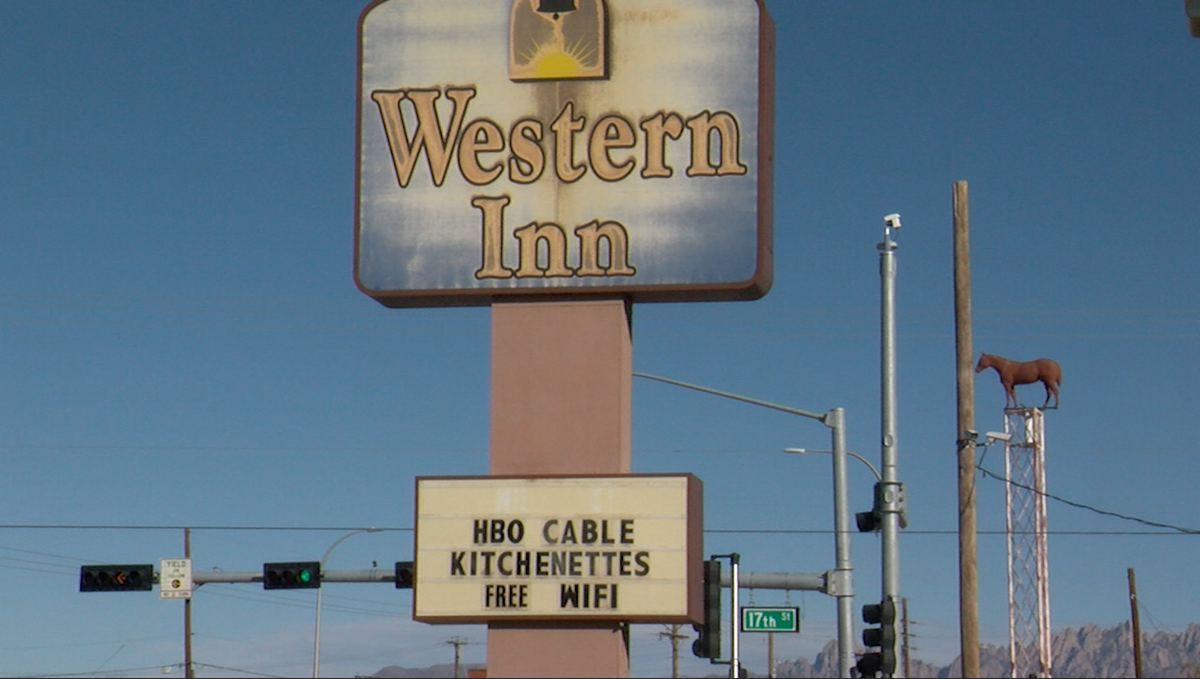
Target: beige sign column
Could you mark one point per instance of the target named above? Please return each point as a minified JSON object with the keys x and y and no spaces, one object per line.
{"x":561,"y":402}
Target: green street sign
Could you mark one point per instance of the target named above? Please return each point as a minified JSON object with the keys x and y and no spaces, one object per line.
{"x":759,"y":619}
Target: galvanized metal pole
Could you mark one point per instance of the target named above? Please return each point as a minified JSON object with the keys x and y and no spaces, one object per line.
{"x":842,"y":584}
{"x":891,"y":489}
{"x":835,"y":419}
{"x":317,"y":633}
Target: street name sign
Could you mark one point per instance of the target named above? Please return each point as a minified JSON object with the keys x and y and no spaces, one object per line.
{"x":761,"y":619}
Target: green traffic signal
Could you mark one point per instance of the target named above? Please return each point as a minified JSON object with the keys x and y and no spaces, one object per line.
{"x":292,"y":575}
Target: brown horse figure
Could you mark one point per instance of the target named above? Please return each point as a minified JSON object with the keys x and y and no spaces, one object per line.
{"x":1012,"y":373}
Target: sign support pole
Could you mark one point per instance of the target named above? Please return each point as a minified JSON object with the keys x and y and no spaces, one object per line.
{"x":561,"y":402}
{"x":735,"y":661}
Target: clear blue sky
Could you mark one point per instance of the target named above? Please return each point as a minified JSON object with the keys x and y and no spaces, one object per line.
{"x":182,"y":343}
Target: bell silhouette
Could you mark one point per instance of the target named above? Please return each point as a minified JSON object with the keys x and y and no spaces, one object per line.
{"x":556,"y":6}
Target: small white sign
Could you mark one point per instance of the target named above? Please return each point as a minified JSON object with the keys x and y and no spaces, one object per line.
{"x":175,"y":579}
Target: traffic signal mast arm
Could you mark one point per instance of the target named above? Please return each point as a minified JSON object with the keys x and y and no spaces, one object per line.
{"x":368,"y":575}
{"x":813,"y":582}
{"x":371,"y":575}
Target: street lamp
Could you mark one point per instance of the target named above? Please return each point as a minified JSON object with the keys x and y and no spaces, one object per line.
{"x":843,"y":574}
{"x":317,"y":634}
{"x":866,"y":521}
{"x":853,"y":454}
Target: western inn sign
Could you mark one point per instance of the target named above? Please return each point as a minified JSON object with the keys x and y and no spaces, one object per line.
{"x":540,"y":148}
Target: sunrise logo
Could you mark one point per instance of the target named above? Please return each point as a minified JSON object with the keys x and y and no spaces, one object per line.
{"x":557,"y":40}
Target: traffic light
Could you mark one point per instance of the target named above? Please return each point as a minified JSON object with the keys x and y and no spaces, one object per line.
{"x":708,"y":641}
{"x":882,"y":661}
{"x":404,"y":575}
{"x":292,"y":575}
{"x":122,"y":578}
{"x":867,"y":521}
{"x":870,"y":521}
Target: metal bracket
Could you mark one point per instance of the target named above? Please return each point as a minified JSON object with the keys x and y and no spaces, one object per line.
{"x":839,"y":582}
{"x":890,"y":499}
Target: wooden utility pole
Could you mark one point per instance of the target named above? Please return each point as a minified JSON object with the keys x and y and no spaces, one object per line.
{"x":188,"y":670}
{"x":968,"y":585}
{"x":458,"y":644}
{"x":675,"y":637}
{"x":904,"y":628}
{"x":1137,"y":628}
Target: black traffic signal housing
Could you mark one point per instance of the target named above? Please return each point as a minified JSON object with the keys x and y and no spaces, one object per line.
{"x":883,"y":638}
{"x":867,"y":521}
{"x":292,"y":575}
{"x":708,"y":641}
{"x":870,"y":521}
{"x":117,"y":578}
{"x":405,"y":575}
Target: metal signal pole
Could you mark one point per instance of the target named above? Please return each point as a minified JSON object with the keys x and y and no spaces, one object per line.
{"x":891,"y":490}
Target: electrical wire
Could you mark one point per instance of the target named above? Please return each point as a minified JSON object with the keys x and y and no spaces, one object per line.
{"x":93,"y":673}
{"x":234,"y":669}
{"x":1080,"y":505}
{"x":1174,"y":531}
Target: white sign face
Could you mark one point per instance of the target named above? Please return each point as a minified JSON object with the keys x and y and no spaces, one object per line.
{"x":175,"y":579}
{"x":521,"y":147}
{"x":553,"y":548}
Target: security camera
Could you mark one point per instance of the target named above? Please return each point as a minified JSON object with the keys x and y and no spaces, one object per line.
{"x":998,"y":436}
{"x":892,"y":220}
{"x":972,"y":434}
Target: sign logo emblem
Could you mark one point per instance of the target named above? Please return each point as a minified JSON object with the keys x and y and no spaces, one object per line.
{"x":557,"y":40}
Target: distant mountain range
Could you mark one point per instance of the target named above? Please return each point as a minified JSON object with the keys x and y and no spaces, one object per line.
{"x":1085,"y":652}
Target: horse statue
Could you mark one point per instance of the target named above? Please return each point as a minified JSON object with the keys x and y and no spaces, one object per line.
{"x":1012,"y":373}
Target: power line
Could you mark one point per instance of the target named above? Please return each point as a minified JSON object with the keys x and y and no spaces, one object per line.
{"x":96,"y":672}
{"x":234,"y":669}
{"x":103,"y":526}
{"x":1080,"y":505}
{"x":228,"y":448}
{"x":1175,"y":531}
